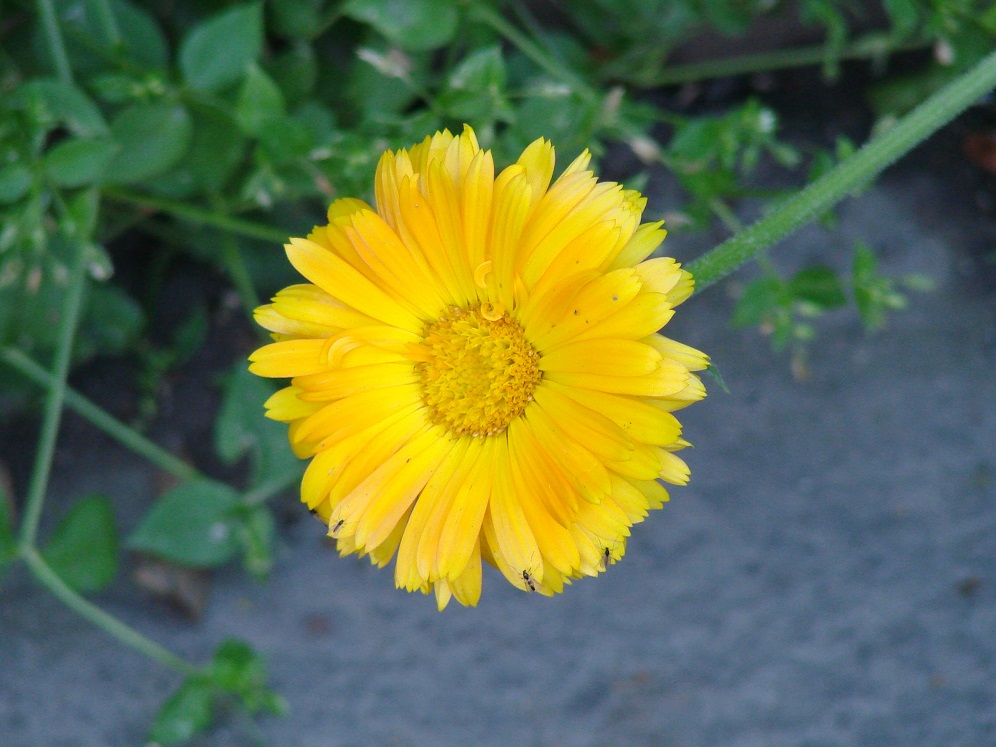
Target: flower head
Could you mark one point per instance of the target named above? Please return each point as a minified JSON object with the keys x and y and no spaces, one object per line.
{"x":476,"y":369}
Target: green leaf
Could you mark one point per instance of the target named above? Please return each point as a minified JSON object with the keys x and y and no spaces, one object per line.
{"x":905,"y":17}
{"x":77,"y":163}
{"x":759,"y":301}
{"x":186,"y":713}
{"x":111,"y":321}
{"x":241,"y":428}
{"x":191,"y":525}
{"x":141,"y":35}
{"x":260,"y":102}
{"x":236,"y":668}
{"x":297,"y":19}
{"x":818,"y":286}
{"x":295,"y":73}
{"x":89,"y":42}
{"x":215,"y":53}
{"x":83,"y":208}
{"x":257,"y":532}
{"x":83,"y":550}
{"x":410,"y":24}
{"x":52,"y":103}
{"x":216,"y":150}
{"x":152,"y":137}
{"x":15,"y":180}
{"x":476,"y":88}
{"x":237,"y":425}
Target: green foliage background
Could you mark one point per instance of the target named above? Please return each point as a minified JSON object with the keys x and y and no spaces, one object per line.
{"x":214,"y":130}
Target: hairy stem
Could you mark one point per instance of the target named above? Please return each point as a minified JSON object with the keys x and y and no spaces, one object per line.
{"x":124,"y":434}
{"x":53,"y":403}
{"x":766,"y":61}
{"x":197,"y":215}
{"x":849,"y":175}
{"x":106,"y":622}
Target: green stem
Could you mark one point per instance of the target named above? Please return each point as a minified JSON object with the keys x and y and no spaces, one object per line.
{"x":850,"y":174}
{"x":117,"y":430}
{"x":266,"y":490}
{"x":53,"y":403}
{"x":775,"y":60}
{"x":726,"y":215}
{"x":235,"y":265}
{"x":534,"y":51}
{"x":197,"y":215}
{"x":53,"y":37}
{"x":106,"y":622}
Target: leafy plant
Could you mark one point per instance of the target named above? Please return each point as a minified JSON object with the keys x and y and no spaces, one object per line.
{"x":218,"y":129}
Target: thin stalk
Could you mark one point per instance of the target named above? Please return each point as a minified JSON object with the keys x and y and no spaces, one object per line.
{"x":767,"y":61}
{"x":53,"y":38}
{"x":197,"y":215}
{"x":235,"y":266}
{"x":53,"y":403}
{"x":266,"y":490}
{"x":853,"y":172}
{"x":106,"y":622}
{"x":123,"y":434}
{"x":534,"y":51}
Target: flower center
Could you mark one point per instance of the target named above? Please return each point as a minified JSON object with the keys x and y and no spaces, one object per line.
{"x":478,"y":372}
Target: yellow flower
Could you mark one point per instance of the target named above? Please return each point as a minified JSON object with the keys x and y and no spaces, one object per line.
{"x":476,"y":369}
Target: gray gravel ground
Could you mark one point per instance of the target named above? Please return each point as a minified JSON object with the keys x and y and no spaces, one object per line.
{"x":827,"y":580}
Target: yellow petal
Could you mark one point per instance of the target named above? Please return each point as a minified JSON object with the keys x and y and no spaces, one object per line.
{"x":342,"y":382}
{"x":638,"y":419}
{"x":289,"y":358}
{"x":514,"y":536}
{"x":612,"y":357}
{"x":341,"y":280}
{"x":463,"y":521}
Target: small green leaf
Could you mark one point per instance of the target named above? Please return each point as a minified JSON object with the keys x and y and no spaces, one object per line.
{"x":295,"y":73}
{"x":410,"y":24}
{"x":476,"y":88}
{"x":78,"y":163}
{"x":111,"y":321}
{"x":152,"y":137}
{"x":83,"y":550}
{"x":297,"y":19}
{"x":236,"y":668}
{"x":83,"y":208}
{"x":714,"y":372}
{"x":905,"y":16}
{"x":260,"y":102}
{"x":186,"y":713}
{"x":215,"y":53}
{"x":257,"y":532}
{"x":241,"y":428}
{"x":236,"y":430}
{"x":141,"y":35}
{"x":53,"y":103}
{"x":15,"y":180}
{"x":191,"y":525}
{"x":759,"y":301}
{"x":818,"y":286}
{"x":216,"y":149}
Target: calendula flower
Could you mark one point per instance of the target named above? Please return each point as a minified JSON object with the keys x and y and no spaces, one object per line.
{"x":476,"y":369}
